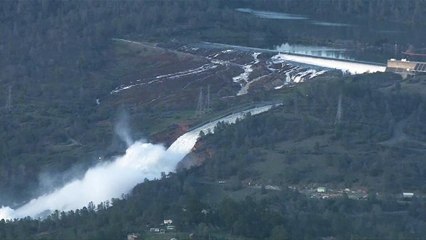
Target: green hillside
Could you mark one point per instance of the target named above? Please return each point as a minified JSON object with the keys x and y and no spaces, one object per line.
{"x":331,"y":162}
{"x":259,"y":178}
{"x":378,"y":143}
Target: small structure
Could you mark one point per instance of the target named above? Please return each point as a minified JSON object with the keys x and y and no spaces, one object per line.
{"x":405,"y":67}
{"x":167,"y":221}
{"x":133,"y":236}
{"x":170,"y":228}
{"x":154,"y":230}
{"x":205,"y":211}
{"x":407,"y":195}
{"x":321,"y":190}
{"x":272,"y":187}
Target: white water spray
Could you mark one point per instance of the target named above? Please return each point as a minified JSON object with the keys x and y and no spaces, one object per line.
{"x":113,"y":179}
{"x":345,"y":66}
{"x":122,"y":128}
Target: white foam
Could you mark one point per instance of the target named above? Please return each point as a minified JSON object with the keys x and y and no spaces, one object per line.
{"x":113,"y":179}
{"x":351,"y":67}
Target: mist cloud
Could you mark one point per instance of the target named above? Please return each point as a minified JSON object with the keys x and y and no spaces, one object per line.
{"x":104,"y":181}
{"x":113,"y":179}
{"x":122,"y":128}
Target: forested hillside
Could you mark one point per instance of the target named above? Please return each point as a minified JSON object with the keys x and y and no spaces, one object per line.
{"x":253,"y":180}
{"x":59,"y":67}
{"x":59,"y":58}
{"x":411,"y":12}
{"x":362,"y":131}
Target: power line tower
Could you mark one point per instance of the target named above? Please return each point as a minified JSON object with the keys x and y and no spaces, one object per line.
{"x":296,"y":104}
{"x":8,"y":105}
{"x":339,"y":110}
{"x":203,"y":104}
{"x":200,"y":104}
{"x":208,"y":98}
{"x":395,"y":48}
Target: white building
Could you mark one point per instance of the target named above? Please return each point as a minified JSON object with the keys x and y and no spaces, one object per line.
{"x":167,"y":221}
{"x":407,"y":195}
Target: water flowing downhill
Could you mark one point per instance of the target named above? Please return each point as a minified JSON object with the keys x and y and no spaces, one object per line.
{"x":344,"y":64}
{"x":113,"y":179}
{"x":353,"y":67}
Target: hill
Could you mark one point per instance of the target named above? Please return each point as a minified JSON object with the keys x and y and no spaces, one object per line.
{"x":61,"y":60}
{"x":73,"y":70}
{"x":259,"y":178}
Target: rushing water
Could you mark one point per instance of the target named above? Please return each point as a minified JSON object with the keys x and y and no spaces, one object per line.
{"x":345,"y":66}
{"x":319,"y":51}
{"x":272,"y":15}
{"x":113,"y":179}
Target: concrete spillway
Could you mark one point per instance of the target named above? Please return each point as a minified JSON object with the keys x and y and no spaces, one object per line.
{"x":113,"y":179}
{"x":352,"y":67}
{"x":186,"y":142}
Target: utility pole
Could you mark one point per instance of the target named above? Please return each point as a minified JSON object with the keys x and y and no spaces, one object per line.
{"x":208,"y":98}
{"x":8,"y":106}
{"x":339,"y":110}
{"x":396,"y":51}
{"x":200,"y":105}
{"x":296,"y":104}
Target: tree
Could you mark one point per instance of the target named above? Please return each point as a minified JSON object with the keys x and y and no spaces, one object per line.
{"x":279,"y":233}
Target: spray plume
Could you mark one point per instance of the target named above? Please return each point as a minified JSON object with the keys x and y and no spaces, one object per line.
{"x":113,"y":179}
{"x":122,"y":128}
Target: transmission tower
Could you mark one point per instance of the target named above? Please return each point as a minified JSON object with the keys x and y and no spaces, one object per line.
{"x":200,"y":104}
{"x":296,"y":104}
{"x":208,"y":98}
{"x":9,"y":99}
{"x":204,"y":103}
{"x":339,"y":110}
